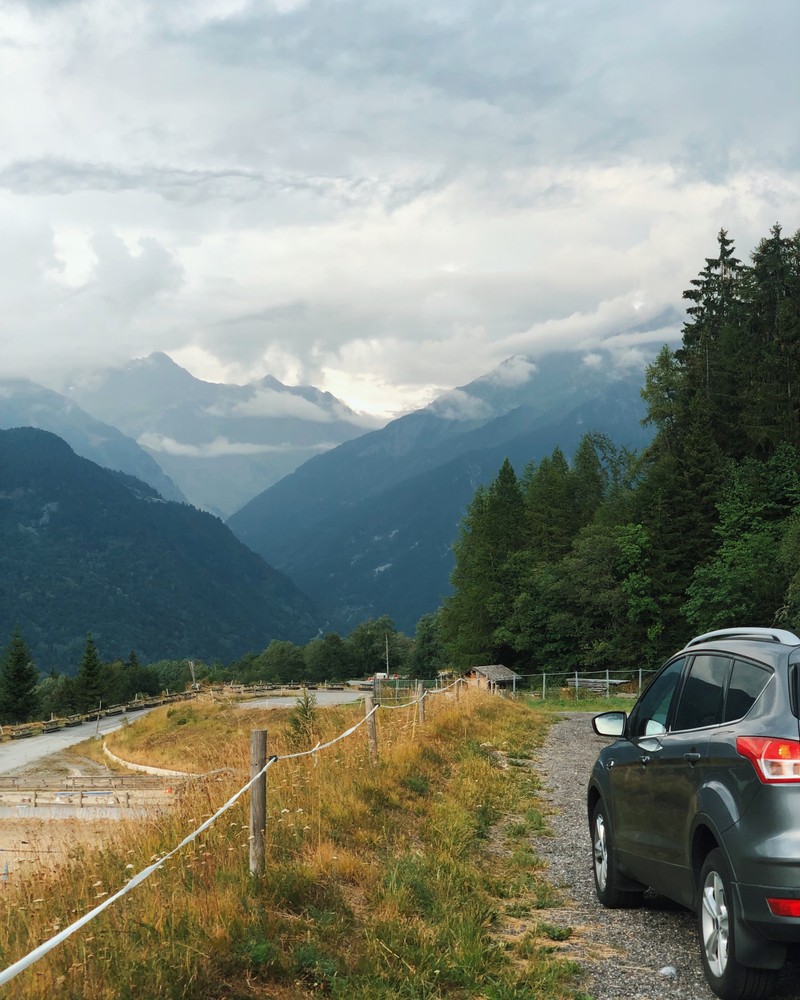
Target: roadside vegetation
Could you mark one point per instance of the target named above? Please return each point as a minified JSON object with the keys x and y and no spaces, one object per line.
{"x":409,"y":877}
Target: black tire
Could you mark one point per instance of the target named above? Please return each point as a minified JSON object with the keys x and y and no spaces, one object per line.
{"x":716,"y":929}
{"x":607,"y":878}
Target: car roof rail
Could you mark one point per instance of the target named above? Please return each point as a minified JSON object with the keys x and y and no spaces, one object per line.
{"x":756,"y":632}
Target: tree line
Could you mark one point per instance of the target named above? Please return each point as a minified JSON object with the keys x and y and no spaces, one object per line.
{"x":373,"y":646}
{"x":613,"y":558}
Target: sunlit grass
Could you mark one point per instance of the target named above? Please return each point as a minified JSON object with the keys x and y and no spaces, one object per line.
{"x":383,"y":880}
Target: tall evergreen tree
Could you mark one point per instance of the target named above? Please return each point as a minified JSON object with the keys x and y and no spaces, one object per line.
{"x":588,"y":480}
{"x":550,"y":507}
{"x":18,"y":680}
{"x":90,"y":681}
{"x":771,"y":397}
{"x":492,"y":531}
{"x":428,"y":656}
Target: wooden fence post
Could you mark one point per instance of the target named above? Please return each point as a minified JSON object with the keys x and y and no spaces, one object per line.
{"x":421,"y":703}
{"x":372,"y":729}
{"x":258,"y":800}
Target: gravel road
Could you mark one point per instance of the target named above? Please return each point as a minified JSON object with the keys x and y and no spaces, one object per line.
{"x":622,"y":951}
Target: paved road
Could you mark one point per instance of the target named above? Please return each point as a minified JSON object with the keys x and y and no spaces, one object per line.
{"x":19,"y":753}
{"x":323,"y":699}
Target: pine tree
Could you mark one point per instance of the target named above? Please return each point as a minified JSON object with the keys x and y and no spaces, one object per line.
{"x":715,"y":344}
{"x":90,"y":681}
{"x":588,"y":480}
{"x":18,"y":680}
{"x":771,"y":398}
{"x":491,"y":533}
{"x":428,"y":656}
{"x":550,"y":509}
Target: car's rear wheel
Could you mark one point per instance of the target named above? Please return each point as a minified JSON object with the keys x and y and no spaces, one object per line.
{"x":716,"y":925}
{"x":608,"y":881}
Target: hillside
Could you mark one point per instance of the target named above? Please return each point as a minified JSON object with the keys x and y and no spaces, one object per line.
{"x":85,"y":550}
{"x":25,"y":404}
{"x":367,"y":528}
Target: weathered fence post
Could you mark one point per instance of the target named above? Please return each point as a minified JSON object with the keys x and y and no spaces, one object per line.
{"x":421,"y":702}
{"x":258,"y":800}
{"x":608,"y":684}
{"x":544,"y":687}
{"x":372,"y":729}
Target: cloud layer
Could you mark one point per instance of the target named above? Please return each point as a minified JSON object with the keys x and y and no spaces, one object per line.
{"x":384,"y":198}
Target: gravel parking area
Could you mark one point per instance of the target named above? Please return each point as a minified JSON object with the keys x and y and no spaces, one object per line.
{"x":644,"y":954}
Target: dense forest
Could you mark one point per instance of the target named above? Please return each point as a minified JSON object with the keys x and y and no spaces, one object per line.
{"x":612,"y":559}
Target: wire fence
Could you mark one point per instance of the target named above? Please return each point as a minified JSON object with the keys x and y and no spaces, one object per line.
{"x":568,"y":685}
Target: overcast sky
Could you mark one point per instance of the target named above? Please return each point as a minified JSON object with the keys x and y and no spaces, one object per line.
{"x":383,"y":198}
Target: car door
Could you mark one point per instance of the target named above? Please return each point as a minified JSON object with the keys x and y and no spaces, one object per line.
{"x":669,"y":779}
{"x":629,"y":762}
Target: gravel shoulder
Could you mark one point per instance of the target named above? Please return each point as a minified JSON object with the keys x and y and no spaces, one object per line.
{"x":622,"y":952}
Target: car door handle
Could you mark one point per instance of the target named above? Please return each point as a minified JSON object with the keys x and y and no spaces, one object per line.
{"x":691,"y":758}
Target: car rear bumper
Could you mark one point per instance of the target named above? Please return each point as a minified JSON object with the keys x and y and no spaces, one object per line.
{"x":756,"y":913}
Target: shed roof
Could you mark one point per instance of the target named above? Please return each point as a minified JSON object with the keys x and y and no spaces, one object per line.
{"x":496,"y":672}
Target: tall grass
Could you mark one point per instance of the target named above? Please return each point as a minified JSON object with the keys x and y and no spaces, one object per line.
{"x":385,"y":880}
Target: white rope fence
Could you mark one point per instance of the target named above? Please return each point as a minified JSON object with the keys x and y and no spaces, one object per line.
{"x":43,"y":949}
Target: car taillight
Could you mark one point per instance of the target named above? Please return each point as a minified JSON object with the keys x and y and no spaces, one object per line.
{"x":775,"y":760}
{"x":784,"y":907}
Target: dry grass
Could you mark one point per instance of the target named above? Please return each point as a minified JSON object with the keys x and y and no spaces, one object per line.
{"x":380,"y":881}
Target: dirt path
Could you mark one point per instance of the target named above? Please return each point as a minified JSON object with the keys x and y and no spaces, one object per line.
{"x":645,"y":954}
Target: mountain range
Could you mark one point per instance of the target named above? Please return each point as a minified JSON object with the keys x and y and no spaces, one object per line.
{"x":367,"y":528}
{"x":361,"y":529}
{"x":84,"y":549}
{"x":222,"y":444}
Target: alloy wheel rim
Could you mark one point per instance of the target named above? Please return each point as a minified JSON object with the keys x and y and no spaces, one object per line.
{"x":600,"y":853}
{"x":715,"y":927}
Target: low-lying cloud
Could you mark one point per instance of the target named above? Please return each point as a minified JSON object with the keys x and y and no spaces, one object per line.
{"x":220,"y":446}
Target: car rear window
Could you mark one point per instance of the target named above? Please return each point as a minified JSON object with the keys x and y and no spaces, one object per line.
{"x":702,"y":696}
{"x":748,"y":680}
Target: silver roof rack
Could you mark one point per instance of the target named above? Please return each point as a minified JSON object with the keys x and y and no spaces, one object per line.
{"x":757,"y":633}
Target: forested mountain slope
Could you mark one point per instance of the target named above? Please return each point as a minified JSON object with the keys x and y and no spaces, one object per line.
{"x":26,"y":404}
{"x":367,"y":529}
{"x":86,"y":550}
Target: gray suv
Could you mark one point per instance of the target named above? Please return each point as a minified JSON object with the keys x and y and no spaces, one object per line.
{"x":699,"y":799}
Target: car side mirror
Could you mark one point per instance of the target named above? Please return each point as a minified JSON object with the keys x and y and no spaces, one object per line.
{"x":610,"y":723}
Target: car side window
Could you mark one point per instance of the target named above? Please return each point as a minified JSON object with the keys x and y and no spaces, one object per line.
{"x":649,"y":716}
{"x":703,"y":693}
{"x":748,"y":680}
